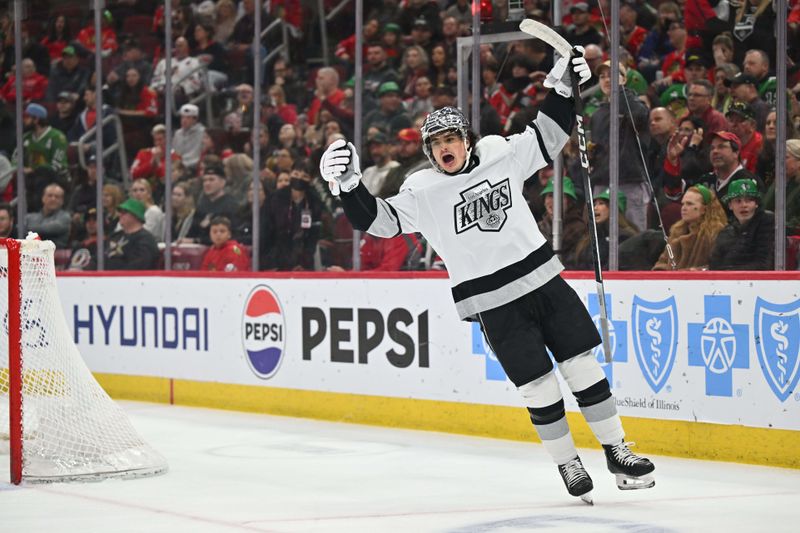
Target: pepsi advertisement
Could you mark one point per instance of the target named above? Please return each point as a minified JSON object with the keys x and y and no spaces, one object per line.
{"x":722,"y":351}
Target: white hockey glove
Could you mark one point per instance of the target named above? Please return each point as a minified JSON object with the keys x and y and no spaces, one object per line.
{"x":559,"y":76}
{"x":340,"y":167}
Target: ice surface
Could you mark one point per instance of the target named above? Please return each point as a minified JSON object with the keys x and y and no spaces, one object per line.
{"x":243,"y":472}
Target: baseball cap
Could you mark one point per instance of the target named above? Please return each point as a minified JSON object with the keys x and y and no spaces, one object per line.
{"x":388,"y":87}
{"x":36,"y":110}
{"x":742,"y":109}
{"x":728,"y":136}
{"x":607,"y":65}
{"x":216,"y":170}
{"x":392,"y":27}
{"x":64,"y":95}
{"x":409,"y":134}
{"x":92,"y":159}
{"x":580,"y":6}
{"x":695,"y":57}
{"x":740,"y":79}
{"x":421,"y":22}
{"x":91,"y":213}
{"x":190,"y":110}
{"x":68,"y":51}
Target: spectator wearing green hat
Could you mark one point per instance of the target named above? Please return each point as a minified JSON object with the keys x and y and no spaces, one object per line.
{"x":582,"y":259}
{"x":674,"y":99}
{"x":391,"y":36}
{"x":573,"y":226}
{"x":68,"y":75}
{"x":390,"y":114}
{"x":132,"y":247}
{"x":748,"y":241}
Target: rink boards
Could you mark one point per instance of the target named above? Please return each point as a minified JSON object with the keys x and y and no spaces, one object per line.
{"x":702,"y":366}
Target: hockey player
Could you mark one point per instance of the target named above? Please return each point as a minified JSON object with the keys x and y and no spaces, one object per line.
{"x":503,"y":272}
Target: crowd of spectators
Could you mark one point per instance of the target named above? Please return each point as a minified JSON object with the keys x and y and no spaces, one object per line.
{"x":697,"y":127}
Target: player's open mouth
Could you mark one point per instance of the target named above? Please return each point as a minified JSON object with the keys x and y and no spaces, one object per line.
{"x":448,"y":158}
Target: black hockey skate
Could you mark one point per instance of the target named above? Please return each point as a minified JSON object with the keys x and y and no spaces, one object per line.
{"x":631,"y":471}
{"x":577,"y":480}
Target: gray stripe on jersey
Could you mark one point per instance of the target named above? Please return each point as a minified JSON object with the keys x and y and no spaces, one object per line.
{"x":554,"y":430}
{"x":551,"y":133}
{"x":386,"y":223}
{"x":473,"y":305}
{"x":600,"y":411}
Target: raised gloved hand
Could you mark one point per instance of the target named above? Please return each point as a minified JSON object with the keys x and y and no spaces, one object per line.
{"x":340,"y":166}
{"x":559,"y":76}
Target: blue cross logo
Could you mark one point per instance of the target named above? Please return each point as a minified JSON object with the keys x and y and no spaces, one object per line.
{"x":618,"y":333}
{"x":494,"y":371}
{"x":718,"y":345}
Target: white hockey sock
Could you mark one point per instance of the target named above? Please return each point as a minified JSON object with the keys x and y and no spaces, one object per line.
{"x":546,"y":407}
{"x":587,"y":381}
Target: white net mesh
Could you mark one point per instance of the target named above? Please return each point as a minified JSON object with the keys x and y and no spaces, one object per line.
{"x":72,"y":429}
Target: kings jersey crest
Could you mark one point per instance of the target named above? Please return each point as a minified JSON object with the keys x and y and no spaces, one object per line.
{"x":483,"y":206}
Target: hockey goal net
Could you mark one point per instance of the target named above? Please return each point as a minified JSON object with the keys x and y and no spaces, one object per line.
{"x":56,"y":422}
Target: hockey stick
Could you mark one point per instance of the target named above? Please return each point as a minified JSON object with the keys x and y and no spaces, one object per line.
{"x":562,"y":46}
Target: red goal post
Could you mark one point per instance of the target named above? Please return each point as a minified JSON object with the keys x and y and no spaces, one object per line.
{"x":62,"y":426}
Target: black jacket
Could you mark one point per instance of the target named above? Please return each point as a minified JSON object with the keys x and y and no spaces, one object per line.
{"x":132,"y":251}
{"x":630,"y":168}
{"x":285,"y":244}
{"x":746,"y":247}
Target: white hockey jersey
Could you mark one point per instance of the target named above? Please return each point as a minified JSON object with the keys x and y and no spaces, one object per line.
{"x":479,"y":221}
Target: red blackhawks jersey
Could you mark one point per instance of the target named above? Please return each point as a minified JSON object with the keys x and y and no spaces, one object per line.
{"x":478,"y":221}
{"x":231,"y":257}
{"x":144,"y":166}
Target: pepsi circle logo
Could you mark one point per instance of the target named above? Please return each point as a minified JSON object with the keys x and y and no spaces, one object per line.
{"x":263,"y":331}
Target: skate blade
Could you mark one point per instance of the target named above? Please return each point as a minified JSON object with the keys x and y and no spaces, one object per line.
{"x":634,"y":483}
{"x":587,"y":498}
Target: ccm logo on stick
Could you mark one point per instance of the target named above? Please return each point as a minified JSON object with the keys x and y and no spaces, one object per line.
{"x":365,"y":329}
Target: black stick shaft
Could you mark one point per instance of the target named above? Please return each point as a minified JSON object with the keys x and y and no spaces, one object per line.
{"x":587,"y":186}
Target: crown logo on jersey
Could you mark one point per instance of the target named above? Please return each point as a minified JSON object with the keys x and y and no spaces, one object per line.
{"x":483,"y":206}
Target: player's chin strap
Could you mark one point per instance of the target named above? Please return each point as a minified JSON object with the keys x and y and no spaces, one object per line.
{"x":468,"y":165}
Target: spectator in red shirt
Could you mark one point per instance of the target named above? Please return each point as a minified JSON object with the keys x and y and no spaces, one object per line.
{"x":743,"y":124}
{"x":150,"y":163}
{"x":633,"y":35}
{"x":327,"y":82}
{"x":136,"y":99}
{"x":108,"y":37}
{"x":57,"y":38}
{"x":225,"y":254}
{"x":285,"y":110}
{"x":674,"y":62}
{"x":387,"y":255}
{"x":34,"y":85}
